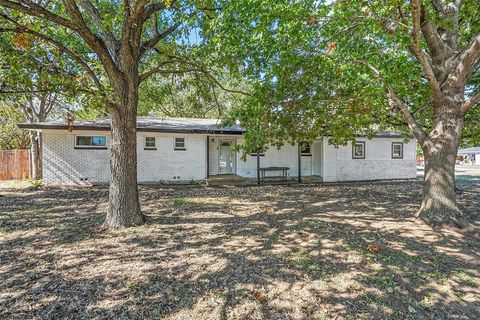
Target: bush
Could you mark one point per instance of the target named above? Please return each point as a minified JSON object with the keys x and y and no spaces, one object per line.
{"x":36,"y":183}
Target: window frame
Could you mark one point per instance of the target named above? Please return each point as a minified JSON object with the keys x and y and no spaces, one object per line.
{"x":303,"y":153}
{"x":179,"y":148}
{"x":353,"y":150}
{"x":401,"y":150}
{"x":91,"y":146}
{"x":146,"y":147}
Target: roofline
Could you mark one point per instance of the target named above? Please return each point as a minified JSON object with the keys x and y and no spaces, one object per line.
{"x":32,"y":126}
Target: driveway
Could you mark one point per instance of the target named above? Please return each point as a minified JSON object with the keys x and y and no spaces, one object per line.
{"x":472,"y":171}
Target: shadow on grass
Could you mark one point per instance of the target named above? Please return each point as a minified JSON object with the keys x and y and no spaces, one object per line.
{"x":269,"y":252}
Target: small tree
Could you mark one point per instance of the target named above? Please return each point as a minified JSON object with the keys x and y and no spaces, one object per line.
{"x":12,"y":137}
{"x":36,"y":80}
{"x":119,"y":45}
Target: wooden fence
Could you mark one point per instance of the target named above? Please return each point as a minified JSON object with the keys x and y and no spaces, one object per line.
{"x":15,"y":164}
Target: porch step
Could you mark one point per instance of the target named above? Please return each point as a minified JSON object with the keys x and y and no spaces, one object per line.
{"x":234,"y":180}
{"x":228,"y":179}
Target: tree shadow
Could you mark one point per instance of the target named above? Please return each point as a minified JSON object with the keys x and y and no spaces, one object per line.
{"x":265,"y":252}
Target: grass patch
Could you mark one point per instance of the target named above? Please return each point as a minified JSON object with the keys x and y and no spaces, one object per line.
{"x":466,"y":279}
{"x":187,"y":202}
{"x":36,"y":183}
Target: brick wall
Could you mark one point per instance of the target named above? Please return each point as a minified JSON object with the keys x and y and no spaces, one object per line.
{"x":165,"y":163}
{"x":65,"y":164}
{"x":378,"y":162}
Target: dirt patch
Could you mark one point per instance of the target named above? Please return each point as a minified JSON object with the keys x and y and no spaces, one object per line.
{"x":271,"y":252}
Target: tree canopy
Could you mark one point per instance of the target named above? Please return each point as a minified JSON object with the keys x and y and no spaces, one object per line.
{"x":11,"y":136}
{"x":326,"y":67}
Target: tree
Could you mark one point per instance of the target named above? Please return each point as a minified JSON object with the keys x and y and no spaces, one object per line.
{"x":341,"y":68}
{"x":119,"y":45}
{"x":37,"y":81}
{"x":190,"y":95}
{"x":12,"y":137}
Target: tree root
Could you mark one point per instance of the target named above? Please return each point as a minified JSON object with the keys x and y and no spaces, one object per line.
{"x":450,"y":218}
{"x":134,"y":220}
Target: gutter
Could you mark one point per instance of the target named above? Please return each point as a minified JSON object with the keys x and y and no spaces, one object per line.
{"x":33,"y":126}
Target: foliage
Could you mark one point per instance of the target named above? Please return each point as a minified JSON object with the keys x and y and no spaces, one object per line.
{"x":37,"y":78}
{"x":36,"y":183}
{"x":177,"y":76}
{"x":189,"y":96}
{"x":12,"y":137}
{"x":311,"y":64}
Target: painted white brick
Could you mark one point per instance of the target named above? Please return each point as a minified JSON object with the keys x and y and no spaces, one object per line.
{"x":329,"y":161}
{"x":165,"y":163}
{"x":378,"y":162}
{"x":213,"y":155}
{"x":65,"y":164}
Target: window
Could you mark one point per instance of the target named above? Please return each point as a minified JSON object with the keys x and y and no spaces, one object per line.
{"x":397,"y":150}
{"x":95,"y":142}
{"x":150,"y":143}
{"x":305,"y":149}
{"x":358,"y":150}
{"x":179,"y":144}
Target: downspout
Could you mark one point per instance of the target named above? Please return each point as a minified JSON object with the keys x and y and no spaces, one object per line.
{"x":208,"y":156}
{"x":258,"y":166}
{"x":299,"y":163}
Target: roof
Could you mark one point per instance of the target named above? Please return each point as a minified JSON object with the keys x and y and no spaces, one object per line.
{"x":148,"y":124}
{"x":470,"y":150}
{"x":164,"y":124}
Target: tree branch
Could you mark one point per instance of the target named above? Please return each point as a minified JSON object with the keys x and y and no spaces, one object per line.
{"x":414,"y":126}
{"x":159,"y":36}
{"x":96,"y":17}
{"x":23,"y":29}
{"x":467,"y":61}
{"x":96,"y":43}
{"x":470,"y":103}
{"x":156,"y":70}
{"x":194,"y":67}
{"x":155,"y":7}
{"x":21,"y":91}
{"x":30,"y":8}
{"x":417,"y":51}
{"x":436,"y":45}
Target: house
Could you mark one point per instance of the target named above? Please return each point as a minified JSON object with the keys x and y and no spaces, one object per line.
{"x":185,"y":149}
{"x":471,"y":155}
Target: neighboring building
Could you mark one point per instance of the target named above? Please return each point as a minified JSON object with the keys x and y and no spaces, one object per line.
{"x":470,"y":155}
{"x":196,"y":149}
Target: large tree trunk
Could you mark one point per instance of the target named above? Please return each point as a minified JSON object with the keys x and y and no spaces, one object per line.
{"x":439,"y":205}
{"x":124,"y":206}
{"x":36,"y":151}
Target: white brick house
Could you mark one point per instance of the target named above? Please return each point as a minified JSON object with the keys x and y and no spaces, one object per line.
{"x":195,"y":149}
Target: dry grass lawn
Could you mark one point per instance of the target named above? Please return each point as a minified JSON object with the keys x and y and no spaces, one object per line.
{"x":269,"y":252}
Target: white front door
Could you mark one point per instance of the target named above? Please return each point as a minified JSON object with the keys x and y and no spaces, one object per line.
{"x":226,"y":157}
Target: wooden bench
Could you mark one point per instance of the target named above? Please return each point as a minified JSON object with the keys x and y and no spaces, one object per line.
{"x":284,"y":171}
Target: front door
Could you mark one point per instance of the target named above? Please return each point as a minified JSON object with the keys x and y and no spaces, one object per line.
{"x":226,"y":157}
